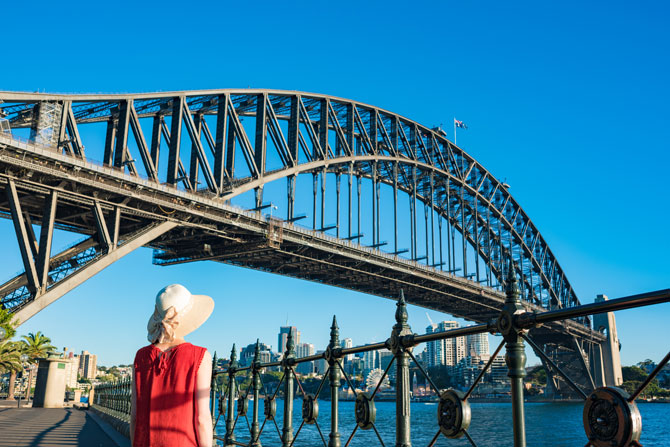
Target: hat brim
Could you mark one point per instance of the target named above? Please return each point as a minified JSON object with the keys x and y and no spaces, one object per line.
{"x":202,"y":308}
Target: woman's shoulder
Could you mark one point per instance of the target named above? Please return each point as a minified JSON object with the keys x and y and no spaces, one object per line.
{"x":143,"y":355}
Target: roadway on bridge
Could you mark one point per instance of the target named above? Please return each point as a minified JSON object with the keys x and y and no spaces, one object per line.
{"x":50,"y":427}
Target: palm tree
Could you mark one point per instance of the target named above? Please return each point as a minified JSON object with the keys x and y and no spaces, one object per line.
{"x":36,"y":345}
{"x":10,"y":361}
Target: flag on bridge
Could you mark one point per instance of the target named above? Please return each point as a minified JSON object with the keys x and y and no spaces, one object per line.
{"x":460,"y":124}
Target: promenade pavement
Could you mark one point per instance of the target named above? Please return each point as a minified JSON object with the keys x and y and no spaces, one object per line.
{"x":50,"y":427}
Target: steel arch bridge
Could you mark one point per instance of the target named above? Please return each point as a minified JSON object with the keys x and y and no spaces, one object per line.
{"x":195,"y":174}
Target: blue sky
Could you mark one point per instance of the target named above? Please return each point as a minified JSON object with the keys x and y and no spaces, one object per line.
{"x":566,"y":101}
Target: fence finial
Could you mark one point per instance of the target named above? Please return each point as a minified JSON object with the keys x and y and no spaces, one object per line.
{"x":334,"y":334}
{"x":401,"y":312}
{"x":233,"y":357}
{"x":511,"y":286}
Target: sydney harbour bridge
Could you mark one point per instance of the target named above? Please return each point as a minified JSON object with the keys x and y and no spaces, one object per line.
{"x":298,"y":184}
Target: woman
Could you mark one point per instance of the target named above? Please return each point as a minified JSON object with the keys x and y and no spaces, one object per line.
{"x":171,"y":377}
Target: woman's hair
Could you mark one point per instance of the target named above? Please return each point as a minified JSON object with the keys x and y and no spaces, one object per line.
{"x":161,"y":327}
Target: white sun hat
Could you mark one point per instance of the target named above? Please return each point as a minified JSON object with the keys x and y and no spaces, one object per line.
{"x":192,"y":310}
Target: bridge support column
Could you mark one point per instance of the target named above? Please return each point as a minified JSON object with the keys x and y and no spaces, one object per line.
{"x":229,"y":439}
{"x":131,"y":243}
{"x":610,"y":358}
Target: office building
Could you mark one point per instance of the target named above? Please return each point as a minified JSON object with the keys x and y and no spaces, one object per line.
{"x":247,"y":354}
{"x":444,"y":352}
{"x":478,"y":345}
{"x":347,"y":343}
{"x":304,"y":350}
{"x":88,"y":365}
{"x":283,"y":336}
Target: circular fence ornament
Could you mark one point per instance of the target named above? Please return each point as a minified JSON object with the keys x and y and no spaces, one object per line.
{"x":310,"y":409}
{"x":270,"y":408}
{"x":365,"y":411}
{"x":610,"y":420}
{"x":453,"y":413}
{"x":242,"y":405}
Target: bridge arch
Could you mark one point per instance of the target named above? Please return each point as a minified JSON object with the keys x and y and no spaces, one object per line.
{"x":307,"y":133}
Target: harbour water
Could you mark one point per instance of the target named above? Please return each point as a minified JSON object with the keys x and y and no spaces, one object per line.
{"x":547,"y":425}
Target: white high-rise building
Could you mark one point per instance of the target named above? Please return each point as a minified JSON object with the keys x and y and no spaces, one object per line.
{"x":444,"y":352}
{"x":347,"y":343}
{"x":305,"y":350}
{"x":478,"y":346}
{"x":370,"y":361}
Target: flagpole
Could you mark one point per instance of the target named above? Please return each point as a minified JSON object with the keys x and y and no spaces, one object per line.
{"x":454,"y":130}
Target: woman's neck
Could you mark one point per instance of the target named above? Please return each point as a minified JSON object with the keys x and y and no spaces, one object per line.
{"x":170,"y":344}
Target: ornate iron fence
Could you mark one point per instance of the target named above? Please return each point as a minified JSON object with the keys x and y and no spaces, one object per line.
{"x":610,"y":415}
{"x":114,"y":399}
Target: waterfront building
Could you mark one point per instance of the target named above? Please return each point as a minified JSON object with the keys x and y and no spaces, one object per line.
{"x":247,"y":354}
{"x":88,"y":365}
{"x":385,"y":357}
{"x":478,"y":345}
{"x":369,"y":361}
{"x":305,"y":350}
{"x":498,"y":371}
{"x":283,"y":336}
{"x":347,"y":343}
{"x":320,"y":366}
{"x":71,"y":369}
{"x":444,"y":352}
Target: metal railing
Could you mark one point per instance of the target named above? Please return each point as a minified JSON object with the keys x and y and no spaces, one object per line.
{"x":611,"y":417}
{"x":114,"y":399}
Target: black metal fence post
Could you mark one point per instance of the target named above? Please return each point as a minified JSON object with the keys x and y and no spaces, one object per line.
{"x":256,"y":384}
{"x":515,"y":356}
{"x":334,"y":377}
{"x":230,"y":417}
{"x":287,"y":362}
{"x":402,"y":401}
{"x":212,"y":390}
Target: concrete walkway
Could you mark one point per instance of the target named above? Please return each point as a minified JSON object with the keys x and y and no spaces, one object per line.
{"x":50,"y":427}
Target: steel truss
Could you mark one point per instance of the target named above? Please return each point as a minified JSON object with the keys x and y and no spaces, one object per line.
{"x":209,"y":142}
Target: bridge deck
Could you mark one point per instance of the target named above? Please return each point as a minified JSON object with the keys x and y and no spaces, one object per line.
{"x":47,"y":427}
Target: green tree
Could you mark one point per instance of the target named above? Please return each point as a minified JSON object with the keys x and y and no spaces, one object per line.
{"x":10,"y":356}
{"x":633,"y":373}
{"x":10,"y":361}
{"x":6,"y":323}
{"x":37,"y":345}
{"x":538,"y":375}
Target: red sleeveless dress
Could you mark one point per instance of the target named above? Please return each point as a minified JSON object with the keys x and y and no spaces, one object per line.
{"x":165,"y":386}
